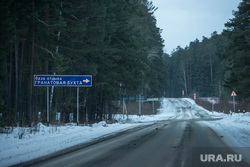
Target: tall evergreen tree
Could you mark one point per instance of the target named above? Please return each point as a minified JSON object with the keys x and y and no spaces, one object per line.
{"x":197,"y":69}
{"x":117,"y":42}
{"x":238,"y":51}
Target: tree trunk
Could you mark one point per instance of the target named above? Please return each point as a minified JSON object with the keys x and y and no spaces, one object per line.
{"x":211,"y":68}
{"x":57,"y":48}
{"x":31,"y":71}
{"x":20,"y":103}
{"x":190,"y":78}
{"x":16,"y":84}
{"x":10,"y":91}
{"x":6,"y":91}
{"x":184,"y":76}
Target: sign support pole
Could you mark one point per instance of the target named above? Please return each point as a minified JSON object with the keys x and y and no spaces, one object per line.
{"x":153,"y":107}
{"x":213,"y":101}
{"x":233,"y":94}
{"x":123,"y":107}
{"x":47,"y":106}
{"x":77,"y":106}
{"x":139,"y":104}
{"x":234,"y":103}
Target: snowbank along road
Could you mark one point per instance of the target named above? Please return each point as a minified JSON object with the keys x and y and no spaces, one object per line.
{"x":183,"y":140}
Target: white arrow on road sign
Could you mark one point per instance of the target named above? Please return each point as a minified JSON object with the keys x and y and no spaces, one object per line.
{"x":86,"y":80}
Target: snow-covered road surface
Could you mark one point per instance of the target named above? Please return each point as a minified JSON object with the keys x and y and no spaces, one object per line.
{"x":234,"y":129}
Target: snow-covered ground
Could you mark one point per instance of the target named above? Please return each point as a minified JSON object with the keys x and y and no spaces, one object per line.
{"x":235,"y":128}
{"x":51,"y":139}
{"x":44,"y":140}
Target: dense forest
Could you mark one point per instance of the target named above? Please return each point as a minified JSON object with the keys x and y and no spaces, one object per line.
{"x":117,"y":42}
{"x":214,"y":66}
{"x":197,"y":68}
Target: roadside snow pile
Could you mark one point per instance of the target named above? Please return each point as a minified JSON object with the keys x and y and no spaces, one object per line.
{"x":166,"y":112}
{"x":134,"y":118}
{"x":191,"y":101}
{"x":197,"y":107}
{"x":141,"y":119}
{"x":24,"y":144}
{"x":167,"y":108}
{"x":102,"y":123}
{"x":235,"y":128}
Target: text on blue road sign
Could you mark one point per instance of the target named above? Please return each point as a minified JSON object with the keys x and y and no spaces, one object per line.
{"x":63,"y":80}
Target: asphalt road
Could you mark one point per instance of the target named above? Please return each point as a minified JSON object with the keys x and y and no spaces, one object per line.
{"x":164,"y":144}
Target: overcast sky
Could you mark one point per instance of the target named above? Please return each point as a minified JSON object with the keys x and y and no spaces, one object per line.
{"x":182,"y":21}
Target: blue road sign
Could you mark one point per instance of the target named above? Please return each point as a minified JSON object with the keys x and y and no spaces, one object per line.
{"x":63,"y":80}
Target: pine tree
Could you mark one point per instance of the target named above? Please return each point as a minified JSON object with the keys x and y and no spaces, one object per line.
{"x":237,"y":53}
{"x":197,"y":69}
{"x":117,"y":42}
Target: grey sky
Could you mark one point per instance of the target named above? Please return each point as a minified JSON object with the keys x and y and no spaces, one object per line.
{"x":182,"y":21}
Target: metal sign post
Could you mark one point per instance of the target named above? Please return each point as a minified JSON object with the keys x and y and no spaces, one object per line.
{"x":234,"y":103}
{"x":153,"y":107}
{"x":65,"y":81}
{"x":153,"y":100}
{"x":213,"y":101}
{"x":213,"y":107}
{"x":233,"y":94}
{"x":77,"y":107}
{"x":139,"y":104}
{"x":123,"y":106}
{"x":47,"y":106}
